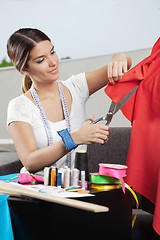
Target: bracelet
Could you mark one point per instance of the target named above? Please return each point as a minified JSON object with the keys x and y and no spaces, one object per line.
{"x":67,"y":139}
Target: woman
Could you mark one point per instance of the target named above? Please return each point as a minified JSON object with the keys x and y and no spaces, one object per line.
{"x":49,"y":106}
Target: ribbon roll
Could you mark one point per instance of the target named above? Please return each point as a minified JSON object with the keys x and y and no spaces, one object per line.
{"x":114,"y":170}
{"x":137,"y":203}
{"x":104,"y":187}
{"x":102,"y":179}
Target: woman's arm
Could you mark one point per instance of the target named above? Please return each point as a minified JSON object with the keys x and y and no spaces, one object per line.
{"x":35,"y":159}
{"x":32,"y":158}
{"x":112,"y":72}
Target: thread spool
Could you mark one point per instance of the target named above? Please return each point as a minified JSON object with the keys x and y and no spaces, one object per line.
{"x":83,"y":180}
{"x":61,"y":170}
{"x":47,"y":176}
{"x":81,"y":162}
{"x":59,"y":179}
{"x":67,"y":176}
{"x":74,"y":177}
{"x":54,"y":177}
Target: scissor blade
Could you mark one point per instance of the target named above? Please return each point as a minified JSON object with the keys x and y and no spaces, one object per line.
{"x":124,"y":100}
{"x":112,"y":107}
{"x":110,"y":113}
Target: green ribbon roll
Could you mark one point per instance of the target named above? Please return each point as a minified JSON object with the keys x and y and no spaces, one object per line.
{"x":96,"y":178}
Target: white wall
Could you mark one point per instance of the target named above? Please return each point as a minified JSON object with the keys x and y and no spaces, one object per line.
{"x":84,"y":28}
{"x":10,"y":85}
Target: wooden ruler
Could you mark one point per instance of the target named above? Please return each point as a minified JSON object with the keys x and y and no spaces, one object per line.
{"x":15,"y":190}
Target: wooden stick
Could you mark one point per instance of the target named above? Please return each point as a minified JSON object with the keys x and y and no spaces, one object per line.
{"x":24,"y":192}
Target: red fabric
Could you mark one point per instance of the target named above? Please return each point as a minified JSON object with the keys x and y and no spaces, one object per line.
{"x":143,"y":110}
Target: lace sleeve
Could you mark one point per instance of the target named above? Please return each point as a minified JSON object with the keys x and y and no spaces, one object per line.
{"x":18,"y":111}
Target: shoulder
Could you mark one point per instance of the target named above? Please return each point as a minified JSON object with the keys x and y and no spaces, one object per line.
{"x":19,"y":109}
{"x":18,"y":101}
{"x":77,"y":79}
{"x":78,"y":84}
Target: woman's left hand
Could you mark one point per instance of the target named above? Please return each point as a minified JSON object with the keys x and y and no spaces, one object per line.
{"x":118,"y":67}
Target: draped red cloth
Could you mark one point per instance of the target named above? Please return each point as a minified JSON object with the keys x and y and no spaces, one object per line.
{"x":143,"y":111}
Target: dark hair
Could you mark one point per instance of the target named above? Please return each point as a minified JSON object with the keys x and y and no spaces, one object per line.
{"x":19,"y":46}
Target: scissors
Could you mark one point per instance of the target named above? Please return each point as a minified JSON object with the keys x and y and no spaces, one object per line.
{"x":114,"y":108}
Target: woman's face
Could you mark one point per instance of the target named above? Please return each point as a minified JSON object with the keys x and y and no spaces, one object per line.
{"x":43,"y":64}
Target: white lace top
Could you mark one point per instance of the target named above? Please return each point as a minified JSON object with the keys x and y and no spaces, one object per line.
{"x":23,"y":109}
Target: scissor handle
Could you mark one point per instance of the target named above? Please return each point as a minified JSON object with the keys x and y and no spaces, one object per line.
{"x":98,"y":120}
{"x":108,"y":118}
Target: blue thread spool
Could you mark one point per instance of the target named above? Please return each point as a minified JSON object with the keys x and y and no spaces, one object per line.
{"x":59,"y":179}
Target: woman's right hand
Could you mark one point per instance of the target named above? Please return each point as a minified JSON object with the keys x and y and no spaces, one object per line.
{"x":91,"y":133}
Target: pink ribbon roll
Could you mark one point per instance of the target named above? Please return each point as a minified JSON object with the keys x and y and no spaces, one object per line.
{"x":113,"y":170}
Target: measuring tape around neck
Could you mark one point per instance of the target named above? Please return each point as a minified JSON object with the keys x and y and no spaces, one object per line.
{"x":45,"y":120}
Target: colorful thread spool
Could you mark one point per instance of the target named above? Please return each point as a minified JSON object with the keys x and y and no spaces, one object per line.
{"x":59,"y":179}
{"x":54,"y":177}
{"x":61,"y":170}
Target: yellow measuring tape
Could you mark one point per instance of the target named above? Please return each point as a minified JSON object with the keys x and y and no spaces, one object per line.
{"x":106,"y":187}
